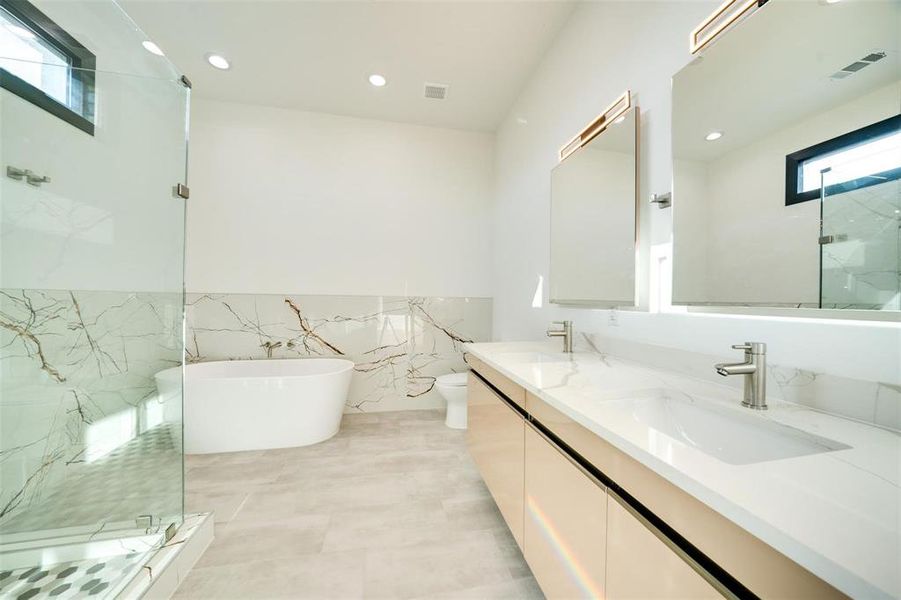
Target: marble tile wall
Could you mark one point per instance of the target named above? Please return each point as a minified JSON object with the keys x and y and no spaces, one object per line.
{"x":76,"y":383}
{"x":77,"y":373}
{"x":399,"y":344}
{"x":862,"y":268}
{"x":873,"y":402}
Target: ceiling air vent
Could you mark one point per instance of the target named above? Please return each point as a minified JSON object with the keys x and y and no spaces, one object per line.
{"x":436,"y":91}
{"x":858,"y":65}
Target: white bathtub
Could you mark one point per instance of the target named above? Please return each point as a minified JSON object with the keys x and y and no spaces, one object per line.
{"x":256,"y":404}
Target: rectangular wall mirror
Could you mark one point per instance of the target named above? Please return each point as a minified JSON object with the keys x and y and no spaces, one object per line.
{"x":787,"y":161}
{"x":593,"y":222}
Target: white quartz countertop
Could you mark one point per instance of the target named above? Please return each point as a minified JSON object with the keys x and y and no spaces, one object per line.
{"x":835,"y":513}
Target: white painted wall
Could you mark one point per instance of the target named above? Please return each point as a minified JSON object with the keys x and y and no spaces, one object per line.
{"x":603,"y":49}
{"x":295,"y":202}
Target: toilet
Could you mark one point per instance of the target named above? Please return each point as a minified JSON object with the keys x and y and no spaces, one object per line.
{"x":453,"y":388}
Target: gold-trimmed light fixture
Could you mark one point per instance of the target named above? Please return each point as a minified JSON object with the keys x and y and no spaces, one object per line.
{"x":615,"y":110}
{"x":719,"y":20}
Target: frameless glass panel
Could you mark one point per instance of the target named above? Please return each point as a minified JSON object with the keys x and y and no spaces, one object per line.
{"x":860,"y":245}
{"x":91,"y":309}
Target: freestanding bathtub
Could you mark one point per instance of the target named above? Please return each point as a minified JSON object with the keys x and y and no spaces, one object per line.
{"x":256,"y":404}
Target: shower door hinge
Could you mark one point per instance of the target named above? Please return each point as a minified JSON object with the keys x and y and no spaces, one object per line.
{"x":182,"y":191}
{"x":831,"y":239}
{"x":144,"y":522}
{"x":662,"y":200}
{"x":185,"y":81}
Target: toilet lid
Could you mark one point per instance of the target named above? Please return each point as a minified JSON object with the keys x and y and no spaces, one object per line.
{"x":455,"y":379}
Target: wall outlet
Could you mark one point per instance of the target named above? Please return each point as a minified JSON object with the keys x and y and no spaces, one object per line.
{"x":612,"y":319}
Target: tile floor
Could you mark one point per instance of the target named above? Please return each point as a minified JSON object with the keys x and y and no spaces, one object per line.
{"x":141,"y":477}
{"x":391,"y":507}
{"x":95,"y":579}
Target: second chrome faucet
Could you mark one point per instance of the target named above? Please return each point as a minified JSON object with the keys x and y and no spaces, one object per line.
{"x":566,"y":333}
{"x":754,"y":371}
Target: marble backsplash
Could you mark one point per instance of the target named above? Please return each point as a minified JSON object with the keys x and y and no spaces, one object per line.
{"x":874,"y":402}
{"x":76,"y":383}
{"x":399,"y":344}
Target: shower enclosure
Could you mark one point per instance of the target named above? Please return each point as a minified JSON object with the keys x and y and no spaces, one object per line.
{"x":91,"y":298}
{"x":860,"y":243}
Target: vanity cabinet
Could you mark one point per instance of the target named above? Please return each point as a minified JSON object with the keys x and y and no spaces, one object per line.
{"x":547,"y":474}
{"x":495,"y":437}
{"x":565,"y":522}
{"x":641,"y":565}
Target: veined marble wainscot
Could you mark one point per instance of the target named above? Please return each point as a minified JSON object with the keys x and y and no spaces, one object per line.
{"x":398,"y":344}
{"x":78,"y":390}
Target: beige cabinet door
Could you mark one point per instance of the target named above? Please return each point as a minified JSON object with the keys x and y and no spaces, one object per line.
{"x":565,"y":523}
{"x":495,"y":440}
{"x":641,"y":566}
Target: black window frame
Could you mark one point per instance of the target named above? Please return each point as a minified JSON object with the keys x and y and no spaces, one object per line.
{"x":82,"y":66}
{"x":794,"y":161}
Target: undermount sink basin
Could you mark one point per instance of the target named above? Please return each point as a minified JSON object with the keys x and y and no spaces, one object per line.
{"x":725,"y":434}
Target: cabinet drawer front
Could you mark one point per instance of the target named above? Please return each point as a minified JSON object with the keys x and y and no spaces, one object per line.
{"x":511,"y":390}
{"x":641,"y":565}
{"x":565,"y":523}
{"x":762,"y":569}
{"x":495,"y":440}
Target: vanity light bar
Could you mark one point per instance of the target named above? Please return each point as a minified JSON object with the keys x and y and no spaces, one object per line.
{"x":719,"y":20}
{"x":619,"y":106}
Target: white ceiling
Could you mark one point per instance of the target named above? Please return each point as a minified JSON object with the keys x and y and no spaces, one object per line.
{"x":317,"y":55}
{"x":774,"y":69}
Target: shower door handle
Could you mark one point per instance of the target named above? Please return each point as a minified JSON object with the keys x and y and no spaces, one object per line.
{"x":34,"y":179}
{"x":28,"y":175}
{"x":831,"y":239}
{"x":15,"y":172}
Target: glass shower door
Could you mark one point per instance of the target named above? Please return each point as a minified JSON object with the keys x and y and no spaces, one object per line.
{"x":91,"y":310}
{"x":860,"y":243}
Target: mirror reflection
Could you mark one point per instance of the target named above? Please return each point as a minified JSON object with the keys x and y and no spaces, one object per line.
{"x":593,"y":220}
{"x":787,"y":159}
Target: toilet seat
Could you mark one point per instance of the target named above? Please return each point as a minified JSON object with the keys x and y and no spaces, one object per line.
{"x":453,"y":379}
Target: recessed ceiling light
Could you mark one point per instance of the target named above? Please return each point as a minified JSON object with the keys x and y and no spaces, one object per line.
{"x":713,"y":135}
{"x":23,"y":33}
{"x":377,"y":80}
{"x":152,"y":48}
{"x":619,"y":119}
{"x":832,"y":1}
{"x":218,"y":61}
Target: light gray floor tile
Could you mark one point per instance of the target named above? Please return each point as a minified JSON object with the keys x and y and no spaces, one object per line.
{"x":285,"y":538}
{"x":428,"y":569}
{"x":313,"y":576}
{"x":223,"y":504}
{"x":391,"y":507}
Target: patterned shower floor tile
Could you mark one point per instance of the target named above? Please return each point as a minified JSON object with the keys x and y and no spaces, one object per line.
{"x":92,"y":578}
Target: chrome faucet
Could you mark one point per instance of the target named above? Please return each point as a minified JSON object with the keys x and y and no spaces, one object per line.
{"x":566,"y":333}
{"x":754,"y":370}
